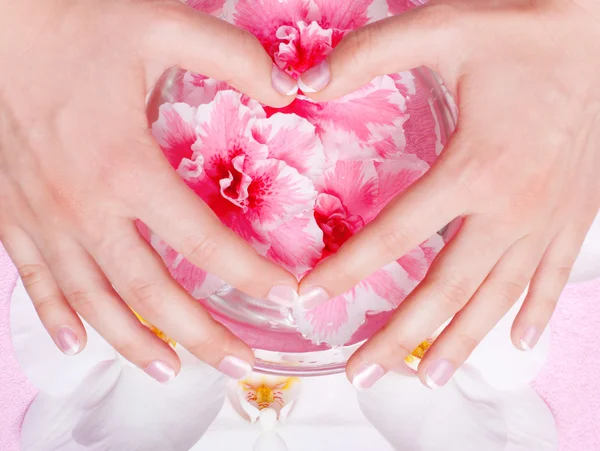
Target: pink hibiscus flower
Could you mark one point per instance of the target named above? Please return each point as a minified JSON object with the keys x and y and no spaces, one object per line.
{"x":350,"y":195}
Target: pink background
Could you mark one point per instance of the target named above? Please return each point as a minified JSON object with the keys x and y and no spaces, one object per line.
{"x":570,"y":383}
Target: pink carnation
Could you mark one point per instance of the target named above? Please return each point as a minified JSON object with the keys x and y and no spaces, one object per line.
{"x":298,"y":182}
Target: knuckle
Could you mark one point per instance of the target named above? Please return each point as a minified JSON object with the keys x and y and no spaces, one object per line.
{"x":562,"y":274}
{"x":360,"y":43}
{"x":201,"y":251}
{"x":465,"y":344}
{"x":47,"y":306}
{"x":454,"y":293}
{"x":127,"y":349}
{"x":442,"y":16}
{"x":32,"y":274}
{"x":81,"y":301}
{"x":392,"y":242}
{"x":147,"y":298}
{"x":511,"y":290}
{"x":200,"y":346}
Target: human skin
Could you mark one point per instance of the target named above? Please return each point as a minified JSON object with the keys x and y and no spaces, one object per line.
{"x":78,"y":166}
{"x":522,"y":169}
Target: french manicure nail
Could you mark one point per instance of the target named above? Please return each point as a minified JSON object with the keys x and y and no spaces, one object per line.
{"x":438,"y":373}
{"x":282,"y":82}
{"x":235,"y":367}
{"x":160,"y":371}
{"x":67,"y":341}
{"x":366,"y":377}
{"x":529,"y":338}
{"x":315,"y":78}
{"x":312,"y":297}
{"x":283,"y":295}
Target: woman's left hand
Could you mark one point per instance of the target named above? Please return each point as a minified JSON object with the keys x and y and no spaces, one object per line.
{"x":522,"y":169}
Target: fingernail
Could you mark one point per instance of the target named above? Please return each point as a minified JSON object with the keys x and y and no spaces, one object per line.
{"x":283,"y":295}
{"x":315,"y":78}
{"x":439,"y":373}
{"x":529,"y":338}
{"x":160,"y":371}
{"x":366,"y":377}
{"x":67,"y":341}
{"x":282,"y":82}
{"x":234,"y":367}
{"x":312,"y":297}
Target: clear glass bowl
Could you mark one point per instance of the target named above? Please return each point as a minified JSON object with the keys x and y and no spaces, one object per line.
{"x":269,"y":329}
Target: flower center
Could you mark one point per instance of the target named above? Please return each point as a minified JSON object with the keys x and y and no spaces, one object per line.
{"x":264,"y":397}
{"x":300,"y":47}
{"x":335,"y":222}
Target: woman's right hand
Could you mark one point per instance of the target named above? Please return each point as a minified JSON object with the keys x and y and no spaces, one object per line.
{"x":78,"y":166}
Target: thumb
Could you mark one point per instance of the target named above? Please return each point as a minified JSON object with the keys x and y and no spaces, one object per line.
{"x":183,"y":37}
{"x":424,"y":36}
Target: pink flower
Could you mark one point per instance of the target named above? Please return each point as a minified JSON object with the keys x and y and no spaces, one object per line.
{"x":350,"y":195}
{"x":254,"y":172}
{"x":298,"y":34}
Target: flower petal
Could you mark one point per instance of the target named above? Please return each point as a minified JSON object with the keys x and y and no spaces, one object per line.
{"x":400,"y":6}
{"x":354,"y":183}
{"x":465,"y":415}
{"x":45,"y":366}
{"x":395,"y":176}
{"x":292,"y":139}
{"x":297,"y":245}
{"x":502,"y":365}
{"x":371,"y":117}
{"x":280,"y":194}
{"x":262,"y":18}
{"x":50,"y":420}
{"x":258,"y":392}
{"x":197,"y":89}
{"x":214,"y":7}
{"x":224,"y":132}
{"x":350,"y":14}
{"x":175,"y":131}
{"x":121,"y":408}
{"x":194,"y":280}
{"x":336,"y":321}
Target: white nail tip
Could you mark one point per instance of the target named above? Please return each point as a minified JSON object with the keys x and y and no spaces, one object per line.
{"x":525,"y":346}
{"x":305,"y":88}
{"x":292,"y":91}
{"x":429,"y":382}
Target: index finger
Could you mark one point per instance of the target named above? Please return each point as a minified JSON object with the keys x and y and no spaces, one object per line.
{"x":424,"y":36}
{"x":410,"y":219}
{"x":180,"y":36}
{"x":176,"y":214}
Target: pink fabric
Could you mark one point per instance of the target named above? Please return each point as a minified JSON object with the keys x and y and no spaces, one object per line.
{"x":15,"y":391}
{"x":570,"y":383}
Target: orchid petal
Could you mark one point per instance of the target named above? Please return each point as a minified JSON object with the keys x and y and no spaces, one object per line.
{"x":43,"y":363}
{"x":502,"y":365}
{"x":465,"y":415}
{"x":119,"y":407}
